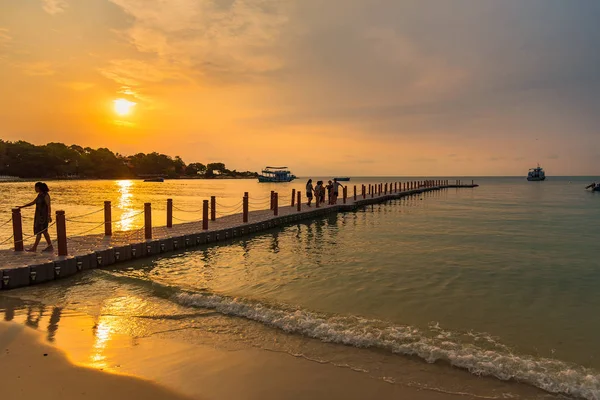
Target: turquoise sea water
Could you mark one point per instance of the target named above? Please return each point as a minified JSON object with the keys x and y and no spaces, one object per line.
{"x":501,"y":281}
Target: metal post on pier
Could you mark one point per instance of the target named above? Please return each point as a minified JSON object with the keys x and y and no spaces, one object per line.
{"x":205,"y":215}
{"x":107,"y":219}
{"x":299,"y":202}
{"x":293,"y":196}
{"x":213,"y":208}
{"x":148,"y":220}
{"x":17,"y":229}
{"x":245,"y":207}
{"x":276,"y":204}
{"x":61,"y":233}
{"x":169,"y":213}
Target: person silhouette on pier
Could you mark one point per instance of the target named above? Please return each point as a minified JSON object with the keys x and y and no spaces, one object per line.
{"x":43,"y":216}
{"x":335,"y":190}
{"x":309,"y":191}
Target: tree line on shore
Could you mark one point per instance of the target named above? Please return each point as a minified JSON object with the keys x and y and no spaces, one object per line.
{"x":57,"y":160}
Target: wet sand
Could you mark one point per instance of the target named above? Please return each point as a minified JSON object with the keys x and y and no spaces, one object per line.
{"x":159,"y":369}
{"x":31,"y":369}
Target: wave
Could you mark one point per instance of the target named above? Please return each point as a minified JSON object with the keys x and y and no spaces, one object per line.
{"x":551,"y":375}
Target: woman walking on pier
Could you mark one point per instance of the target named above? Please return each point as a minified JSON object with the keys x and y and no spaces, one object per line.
{"x":309,"y":191}
{"x":43,"y":216}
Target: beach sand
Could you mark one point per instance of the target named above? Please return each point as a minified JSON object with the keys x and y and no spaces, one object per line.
{"x":159,"y":369}
{"x":30,"y":369}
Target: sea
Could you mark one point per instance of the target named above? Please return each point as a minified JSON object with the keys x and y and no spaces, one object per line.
{"x":497,"y":284}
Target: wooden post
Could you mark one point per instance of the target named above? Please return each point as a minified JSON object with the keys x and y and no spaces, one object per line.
{"x":107,"y":219}
{"x":364,"y":191}
{"x":17,"y":229}
{"x":299,"y":202}
{"x":245,"y":207}
{"x":169,"y":213}
{"x":345,"y":191}
{"x":293,"y":196}
{"x":354,"y":192}
{"x":272,"y":197}
{"x":148,"y":220}
{"x":213,"y":208}
{"x":61,"y":233}
{"x":276,"y":204}
{"x":386,"y":188}
{"x":205,"y":215}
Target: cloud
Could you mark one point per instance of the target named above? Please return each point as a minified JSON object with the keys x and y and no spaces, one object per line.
{"x":207,"y":40}
{"x":37,"y":68}
{"x":54,"y":7}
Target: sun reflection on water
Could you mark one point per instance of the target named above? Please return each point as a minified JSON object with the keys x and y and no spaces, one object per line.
{"x":103,"y":332}
{"x":126,"y":222}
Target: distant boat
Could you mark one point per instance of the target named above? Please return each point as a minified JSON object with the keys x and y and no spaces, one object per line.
{"x":342,"y":179}
{"x":594,"y":186}
{"x":154,"y":180}
{"x":276,"y":175}
{"x":536,"y":174}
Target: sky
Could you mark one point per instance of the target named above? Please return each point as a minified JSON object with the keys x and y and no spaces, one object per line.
{"x":346,"y":87}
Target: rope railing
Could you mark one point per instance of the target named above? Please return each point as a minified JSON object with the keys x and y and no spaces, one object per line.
{"x":187,"y":211}
{"x":75,"y":218}
{"x":6,"y":223}
{"x":186,"y":220}
{"x":90,"y":230}
{"x":238,"y":204}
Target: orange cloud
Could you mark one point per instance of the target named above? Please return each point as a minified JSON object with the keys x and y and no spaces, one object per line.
{"x":54,"y":7}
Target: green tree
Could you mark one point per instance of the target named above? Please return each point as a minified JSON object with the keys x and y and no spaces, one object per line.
{"x":194,"y":169}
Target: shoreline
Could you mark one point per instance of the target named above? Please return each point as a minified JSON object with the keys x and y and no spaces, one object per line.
{"x":32,"y":369}
{"x":159,"y":368}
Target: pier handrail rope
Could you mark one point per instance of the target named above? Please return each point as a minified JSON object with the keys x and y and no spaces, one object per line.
{"x":128,"y":218}
{"x":239,"y":203}
{"x":230,"y":212}
{"x":83,"y":222}
{"x":89,"y":230}
{"x":187,"y":211}
{"x":186,"y":220}
{"x":260,"y":198}
{"x":75,"y":218}
{"x":25,"y":237}
{"x":6,"y":223}
{"x":7,"y":240}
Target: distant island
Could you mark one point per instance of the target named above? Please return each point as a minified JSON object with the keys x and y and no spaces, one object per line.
{"x":59,"y":161}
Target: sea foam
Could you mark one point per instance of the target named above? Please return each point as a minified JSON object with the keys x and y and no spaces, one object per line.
{"x":551,"y":375}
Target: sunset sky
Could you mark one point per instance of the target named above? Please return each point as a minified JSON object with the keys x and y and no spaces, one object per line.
{"x":352,"y":87}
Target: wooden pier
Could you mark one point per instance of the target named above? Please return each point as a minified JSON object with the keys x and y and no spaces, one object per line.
{"x":80,"y":253}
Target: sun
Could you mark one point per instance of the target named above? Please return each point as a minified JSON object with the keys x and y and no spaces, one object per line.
{"x":123,"y":107}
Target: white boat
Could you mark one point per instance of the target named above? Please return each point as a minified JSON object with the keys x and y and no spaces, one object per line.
{"x":536,"y":174}
{"x":276,"y":174}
